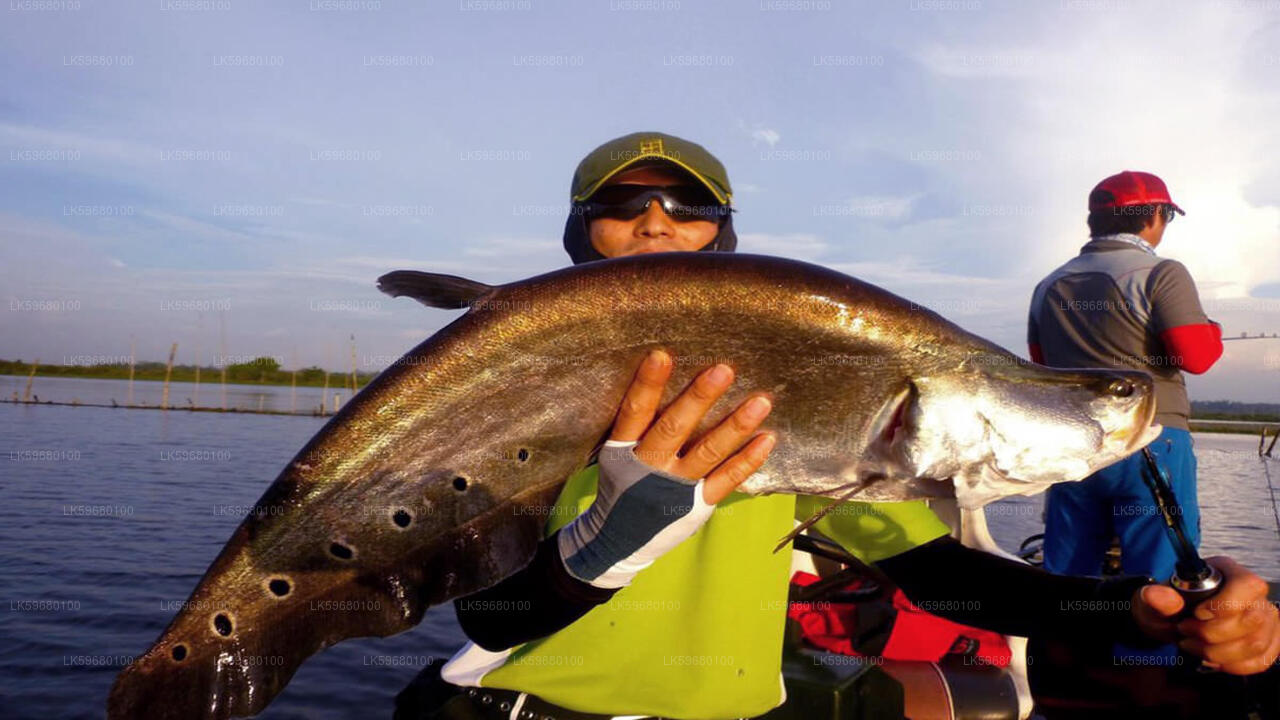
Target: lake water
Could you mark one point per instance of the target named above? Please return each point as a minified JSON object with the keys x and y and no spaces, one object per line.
{"x":108,"y":517}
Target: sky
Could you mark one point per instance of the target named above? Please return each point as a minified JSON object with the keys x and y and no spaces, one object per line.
{"x":234,"y":176}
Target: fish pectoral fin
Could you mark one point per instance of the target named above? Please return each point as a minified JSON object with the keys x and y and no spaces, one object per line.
{"x":433,"y":289}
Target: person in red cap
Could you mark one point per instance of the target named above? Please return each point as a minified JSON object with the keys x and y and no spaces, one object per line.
{"x":1119,"y":305}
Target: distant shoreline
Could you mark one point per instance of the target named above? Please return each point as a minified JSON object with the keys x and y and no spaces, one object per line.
{"x":314,"y":412}
{"x":1244,"y":423}
{"x":186,"y":374}
{"x":211,"y":380}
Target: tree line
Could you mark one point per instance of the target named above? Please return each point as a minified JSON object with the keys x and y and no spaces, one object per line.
{"x":258,"y":371}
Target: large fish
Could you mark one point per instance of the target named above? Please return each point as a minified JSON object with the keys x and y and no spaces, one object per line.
{"x":434,"y":481}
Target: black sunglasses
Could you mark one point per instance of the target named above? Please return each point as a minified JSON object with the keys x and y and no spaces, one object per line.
{"x":683,"y":203}
{"x":1169,"y":213}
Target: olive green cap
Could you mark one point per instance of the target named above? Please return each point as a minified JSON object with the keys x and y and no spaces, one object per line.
{"x":627,"y":151}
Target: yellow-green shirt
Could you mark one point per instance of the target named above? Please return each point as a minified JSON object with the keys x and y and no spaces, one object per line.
{"x":699,"y":633}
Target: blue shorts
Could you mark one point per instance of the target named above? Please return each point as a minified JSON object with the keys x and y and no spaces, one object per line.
{"x":1082,"y":517}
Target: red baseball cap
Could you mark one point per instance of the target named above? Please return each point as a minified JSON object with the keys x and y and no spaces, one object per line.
{"x":1131,"y":187}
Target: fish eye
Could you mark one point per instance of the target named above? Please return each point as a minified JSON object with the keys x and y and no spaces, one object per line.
{"x":1120,"y":388}
{"x":179,"y":652}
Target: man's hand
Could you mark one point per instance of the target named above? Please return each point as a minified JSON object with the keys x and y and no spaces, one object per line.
{"x":1236,"y":631}
{"x":658,"y":446}
{"x":649,"y":498}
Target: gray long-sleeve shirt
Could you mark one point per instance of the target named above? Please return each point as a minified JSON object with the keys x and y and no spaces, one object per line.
{"x":1107,"y":307}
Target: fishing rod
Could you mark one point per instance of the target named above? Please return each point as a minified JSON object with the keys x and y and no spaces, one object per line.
{"x":1193,"y":578}
{"x":1272,"y":336}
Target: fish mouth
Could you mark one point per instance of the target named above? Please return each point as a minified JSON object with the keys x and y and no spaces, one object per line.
{"x":1142,"y":439}
{"x":1138,"y":436}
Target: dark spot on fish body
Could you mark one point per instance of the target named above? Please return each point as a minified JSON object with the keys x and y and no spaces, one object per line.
{"x":179,"y":652}
{"x":340,"y":551}
{"x":279,"y":587}
{"x":522,"y":455}
{"x":401,"y":518}
{"x":222,"y":624}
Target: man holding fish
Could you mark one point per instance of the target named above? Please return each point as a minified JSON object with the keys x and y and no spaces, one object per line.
{"x":644,"y":585}
{"x":640,"y":606}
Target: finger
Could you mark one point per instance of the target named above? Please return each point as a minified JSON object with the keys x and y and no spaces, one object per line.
{"x":1241,"y":589}
{"x":1259,"y":663}
{"x":1164,"y":600}
{"x":1229,"y":627}
{"x":734,"y":471}
{"x":725,"y":438}
{"x":660,"y":443}
{"x":1151,"y":608}
{"x":1240,"y":650}
{"x":641,"y":401}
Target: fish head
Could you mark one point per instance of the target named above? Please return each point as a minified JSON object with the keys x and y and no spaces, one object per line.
{"x":1014,"y":428}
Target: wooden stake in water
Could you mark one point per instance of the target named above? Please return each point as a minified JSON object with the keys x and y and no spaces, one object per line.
{"x":31,"y":376}
{"x":353,"y":366}
{"x":293,"y":384}
{"x":195,"y":400}
{"x":325,"y":392}
{"x":1272,"y":446}
{"x":133,"y":343}
{"x":222,"y":340}
{"x":168,"y":371}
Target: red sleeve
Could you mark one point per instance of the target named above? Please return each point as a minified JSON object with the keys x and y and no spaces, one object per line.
{"x":1037,"y":355}
{"x":1194,"y":348}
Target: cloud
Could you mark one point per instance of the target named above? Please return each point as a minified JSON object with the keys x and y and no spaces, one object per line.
{"x":760,"y":134}
{"x":954,"y":173}
{"x":885,"y":207}
{"x":77,"y":145}
{"x":767,"y":136}
{"x":983,"y":61}
{"x":801,"y":246}
{"x":1266,"y":290}
{"x":512,"y":247}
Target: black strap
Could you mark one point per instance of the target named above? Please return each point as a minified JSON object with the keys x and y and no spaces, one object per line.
{"x":429,"y":697}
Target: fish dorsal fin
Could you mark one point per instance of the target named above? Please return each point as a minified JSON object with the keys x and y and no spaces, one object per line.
{"x":433,"y":289}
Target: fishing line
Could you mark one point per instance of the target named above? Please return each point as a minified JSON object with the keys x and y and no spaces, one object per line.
{"x":858,"y":487}
{"x":1275,"y":510}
